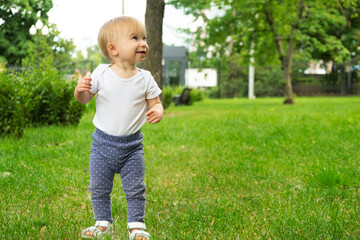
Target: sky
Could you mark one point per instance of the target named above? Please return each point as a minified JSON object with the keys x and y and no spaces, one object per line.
{"x":81,"y":20}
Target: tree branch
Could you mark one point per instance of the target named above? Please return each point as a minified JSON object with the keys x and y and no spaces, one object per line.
{"x":343,"y":13}
{"x":276,"y":37}
{"x":295,"y":25}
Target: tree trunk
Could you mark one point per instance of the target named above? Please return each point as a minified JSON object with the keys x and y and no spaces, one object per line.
{"x":286,"y":65}
{"x":286,"y":60}
{"x":288,"y":91}
{"x":289,"y":96}
{"x":153,"y":23}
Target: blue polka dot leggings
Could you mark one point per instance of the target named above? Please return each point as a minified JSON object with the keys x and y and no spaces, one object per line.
{"x":123,"y":155}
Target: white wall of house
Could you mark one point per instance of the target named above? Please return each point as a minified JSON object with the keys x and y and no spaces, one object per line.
{"x":205,"y":77}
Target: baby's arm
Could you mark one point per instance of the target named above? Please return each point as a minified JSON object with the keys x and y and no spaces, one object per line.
{"x":156,"y":110}
{"x":82,"y":91}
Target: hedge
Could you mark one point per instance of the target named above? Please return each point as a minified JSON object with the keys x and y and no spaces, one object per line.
{"x":169,"y":92}
{"x":36,"y":98}
{"x":12,"y":111}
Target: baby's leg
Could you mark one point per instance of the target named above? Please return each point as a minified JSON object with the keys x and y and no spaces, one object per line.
{"x":132,"y":177}
{"x":101,"y":184}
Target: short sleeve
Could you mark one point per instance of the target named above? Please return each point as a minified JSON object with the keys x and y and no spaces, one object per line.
{"x":96,"y":76}
{"x":152,"y":90}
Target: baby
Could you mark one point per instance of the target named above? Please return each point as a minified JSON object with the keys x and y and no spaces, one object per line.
{"x":127,"y":97}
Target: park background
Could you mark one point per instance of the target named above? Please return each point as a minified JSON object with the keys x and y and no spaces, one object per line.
{"x":281,"y":165}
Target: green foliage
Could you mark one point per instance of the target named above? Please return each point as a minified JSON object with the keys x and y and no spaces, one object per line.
{"x":37,"y":98}
{"x":275,"y":30}
{"x":196,"y":95}
{"x":51,"y":99}
{"x":62,"y":49}
{"x":177,"y":90}
{"x":234,"y":78}
{"x":94,"y":55}
{"x":327,"y":30}
{"x":74,"y":111}
{"x":18,"y":17}
{"x":17,"y":45}
{"x":268,"y":82}
{"x":46,"y":52}
{"x":331,"y":34}
{"x":39,"y":54}
{"x":212,"y":92}
{"x":167,"y":97}
{"x":12,"y":112}
{"x":91,"y":106}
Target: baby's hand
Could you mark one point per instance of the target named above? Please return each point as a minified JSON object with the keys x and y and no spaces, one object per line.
{"x":84,"y":85}
{"x":153,"y":116}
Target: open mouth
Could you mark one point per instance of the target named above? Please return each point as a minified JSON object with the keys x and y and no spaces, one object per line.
{"x":142,"y":52}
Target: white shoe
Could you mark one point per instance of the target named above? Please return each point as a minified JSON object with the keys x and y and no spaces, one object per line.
{"x":138,"y":233}
{"x":97,"y":233}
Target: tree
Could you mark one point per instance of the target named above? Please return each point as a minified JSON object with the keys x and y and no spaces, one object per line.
{"x":16,"y":43}
{"x":337,"y":38}
{"x":62,"y":49}
{"x":53,"y":51}
{"x":285,"y":55}
{"x":153,"y":22}
{"x":18,"y":16}
{"x":276,"y":28}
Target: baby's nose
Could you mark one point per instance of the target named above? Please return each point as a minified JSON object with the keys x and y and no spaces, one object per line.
{"x":144,"y":44}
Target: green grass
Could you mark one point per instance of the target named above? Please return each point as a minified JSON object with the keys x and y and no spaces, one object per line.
{"x":220,"y":169}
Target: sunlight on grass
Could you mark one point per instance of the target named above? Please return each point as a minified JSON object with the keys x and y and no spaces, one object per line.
{"x":220,"y":169}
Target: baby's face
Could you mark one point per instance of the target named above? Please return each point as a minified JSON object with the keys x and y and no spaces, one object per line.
{"x":132,"y":46}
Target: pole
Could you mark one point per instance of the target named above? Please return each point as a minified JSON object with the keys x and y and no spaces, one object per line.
{"x":38,"y":47}
{"x":251,"y":73}
{"x":122,"y":9}
{"x":219,"y":77}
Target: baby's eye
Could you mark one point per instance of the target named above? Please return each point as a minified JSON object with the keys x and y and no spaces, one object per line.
{"x":144,"y":38}
{"x":135,"y":37}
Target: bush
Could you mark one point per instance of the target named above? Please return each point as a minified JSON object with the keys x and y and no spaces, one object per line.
{"x":269,"y":82}
{"x":196,"y":95}
{"x":51,"y":99}
{"x":12,"y":112}
{"x":37,"y":98}
{"x":212,"y":92}
{"x":169,"y":92}
{"x":167,"y":97}
{"x":74,"y":110}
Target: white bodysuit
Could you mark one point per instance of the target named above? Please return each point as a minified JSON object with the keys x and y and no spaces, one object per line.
{"x":121,"y":103}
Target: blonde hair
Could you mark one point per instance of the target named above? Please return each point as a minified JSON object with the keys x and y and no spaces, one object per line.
{"x":114,"y":28}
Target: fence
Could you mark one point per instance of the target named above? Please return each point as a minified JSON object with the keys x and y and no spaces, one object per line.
{"x":68,"y":69}
{"x":341,"y":81}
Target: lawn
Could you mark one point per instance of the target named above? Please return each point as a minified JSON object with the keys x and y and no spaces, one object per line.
{"x":220,"y":169}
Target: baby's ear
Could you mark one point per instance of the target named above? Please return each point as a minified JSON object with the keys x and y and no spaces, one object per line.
{"x":111,"y":48}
